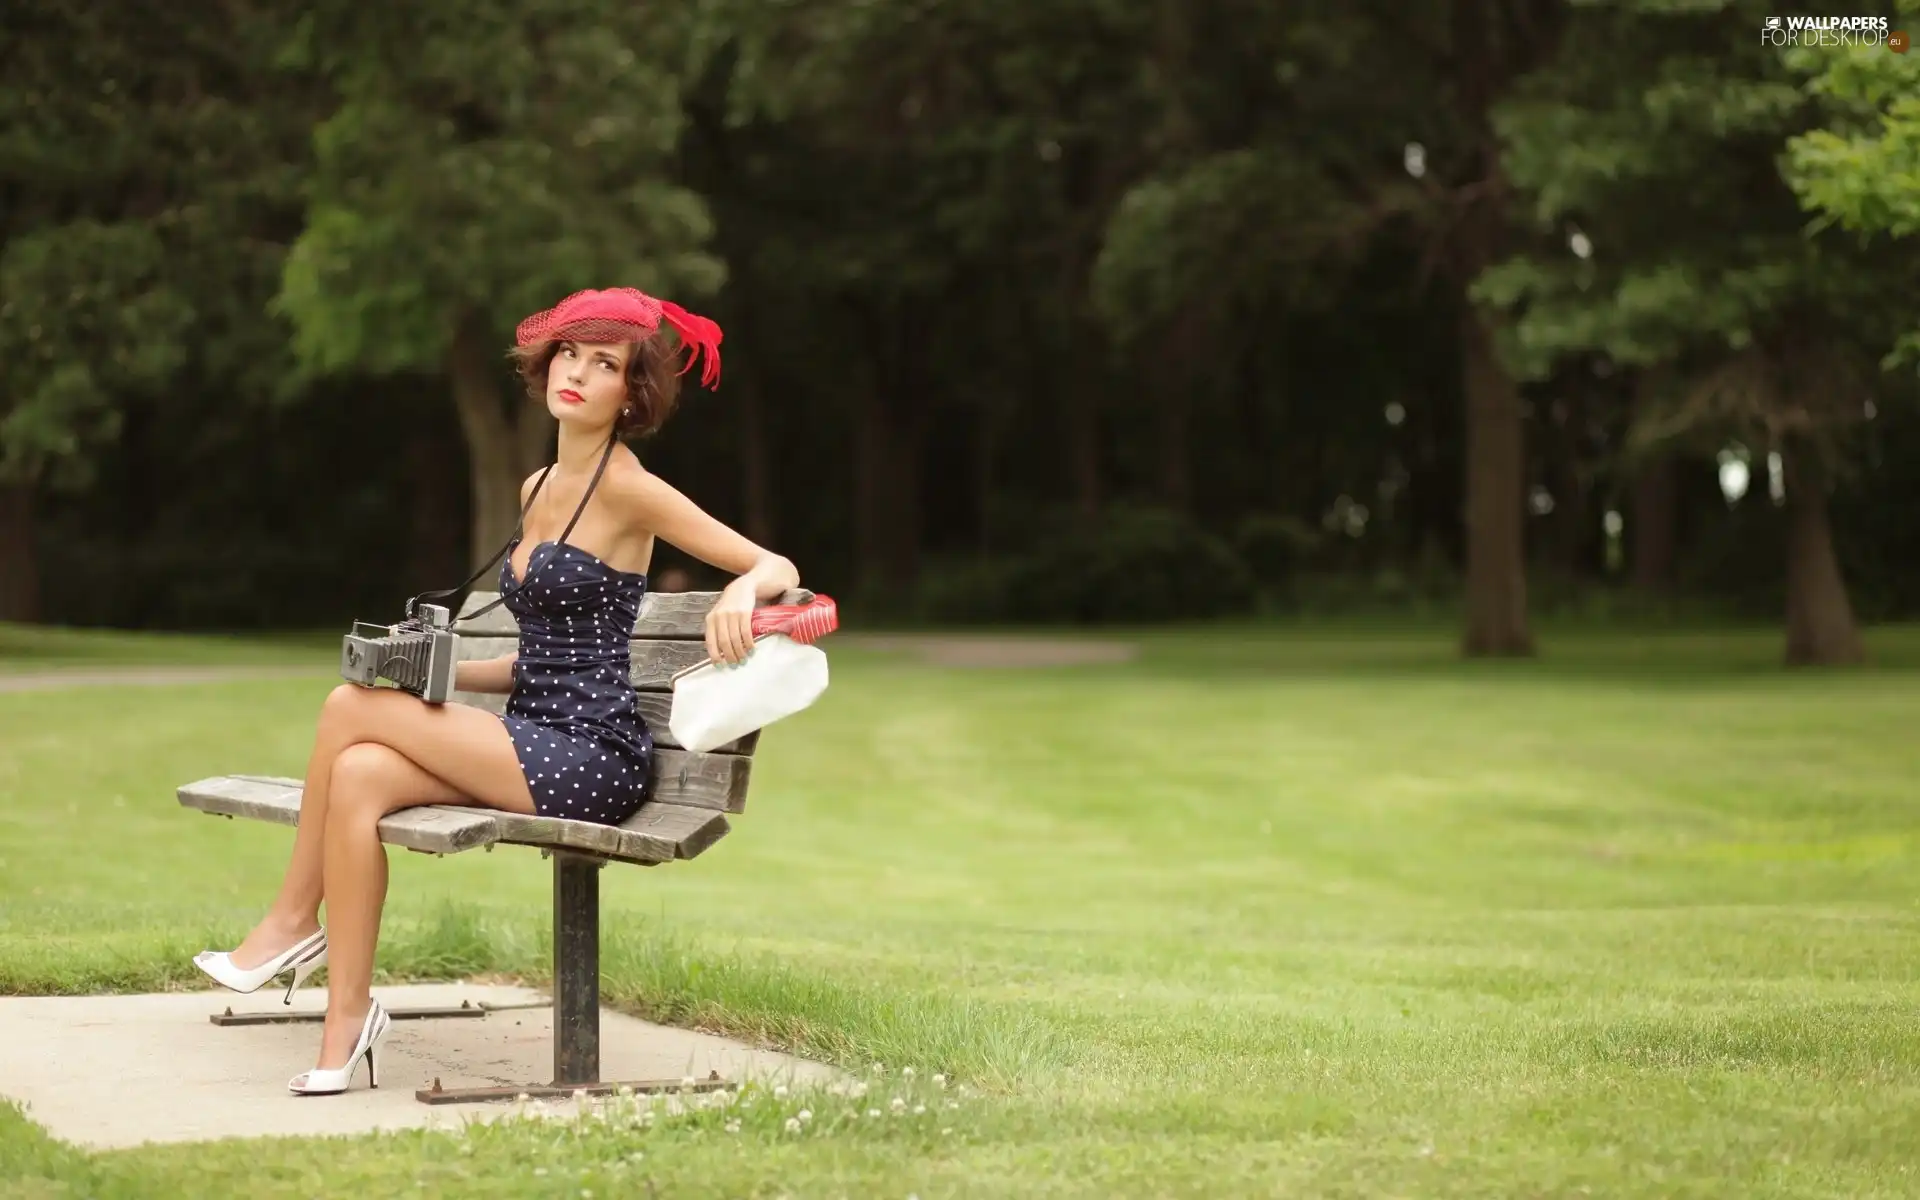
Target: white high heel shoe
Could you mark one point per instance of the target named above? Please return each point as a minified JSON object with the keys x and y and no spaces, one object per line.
{"x":303,"y":958}
{"x":319,"y":1082}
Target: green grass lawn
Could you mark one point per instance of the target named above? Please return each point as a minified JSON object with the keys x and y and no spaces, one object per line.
{"x":39,"y":648}
{"x":1315,"y":911}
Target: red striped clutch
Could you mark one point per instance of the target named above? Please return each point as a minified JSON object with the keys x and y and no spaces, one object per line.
{"x":804,"y":623}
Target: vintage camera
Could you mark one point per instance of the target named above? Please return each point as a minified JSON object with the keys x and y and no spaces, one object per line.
{"x":417,"y":655}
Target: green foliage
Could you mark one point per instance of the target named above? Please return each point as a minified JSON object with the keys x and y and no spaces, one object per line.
{"x":89,"y":316}
{"x":1277,"y":547}
{"x":485,"y":160}
{"x":1652,"y":162}
{"x":1131,"y":564}
{"x":145,"y":186}
{"x":1861,"y":170}
{"x":1241,"y":225}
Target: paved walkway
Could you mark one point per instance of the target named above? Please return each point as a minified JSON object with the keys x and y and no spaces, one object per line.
{"x":111,"y":1071}
{"x":69,"y":677}
{"x":982,"y":650}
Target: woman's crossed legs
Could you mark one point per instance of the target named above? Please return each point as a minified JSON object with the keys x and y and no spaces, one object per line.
{"x":376,"y":750}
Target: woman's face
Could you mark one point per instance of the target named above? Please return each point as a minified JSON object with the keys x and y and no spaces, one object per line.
{"x":587,"y":382}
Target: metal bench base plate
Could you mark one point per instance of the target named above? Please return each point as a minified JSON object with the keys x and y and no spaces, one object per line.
{"x":466,"y":1009}
{"x":562,"y":1091}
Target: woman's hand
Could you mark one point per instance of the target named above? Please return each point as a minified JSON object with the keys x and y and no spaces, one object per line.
{"x":730,"y":622}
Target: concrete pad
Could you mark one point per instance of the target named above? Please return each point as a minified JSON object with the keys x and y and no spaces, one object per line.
{"x":112,"y":1071}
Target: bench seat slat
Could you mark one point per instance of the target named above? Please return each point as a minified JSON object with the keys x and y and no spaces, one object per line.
{"x":690,"y":829}
{"x":659,"y":832}
{"x":432,"y":829}
{"x":634,"y":846}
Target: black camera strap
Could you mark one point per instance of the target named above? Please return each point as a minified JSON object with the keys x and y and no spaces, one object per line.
{"x":519,"y":530}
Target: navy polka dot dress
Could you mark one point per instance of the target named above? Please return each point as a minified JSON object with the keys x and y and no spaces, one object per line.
{"x":585,"y":750}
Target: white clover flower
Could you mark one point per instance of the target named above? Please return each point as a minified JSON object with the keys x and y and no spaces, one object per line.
{"x":793,"y":1124}
{"x":940,"y":1079}
{"x":733,"y":1127}
{"x":879,"y":1069}
{"x":919,"y":1109}
{"x":906,"y":1072}
{"x":780,"y":1090}
{"x":806,"y":1114}
{"x":898,"y":1104}
{"x":686,"y":1081}
{"x":873,"y":1112}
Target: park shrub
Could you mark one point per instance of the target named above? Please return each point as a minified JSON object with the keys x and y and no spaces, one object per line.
{"x":1129,"y":564}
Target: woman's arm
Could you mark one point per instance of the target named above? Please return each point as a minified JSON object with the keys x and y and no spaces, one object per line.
{"x":762,"y":574}
{"x":486,"y":675}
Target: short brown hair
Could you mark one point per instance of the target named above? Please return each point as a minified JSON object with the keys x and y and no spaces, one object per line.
{"x":653,"y":385}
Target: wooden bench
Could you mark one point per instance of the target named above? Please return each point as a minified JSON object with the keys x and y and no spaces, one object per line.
{"x":693,"y":795}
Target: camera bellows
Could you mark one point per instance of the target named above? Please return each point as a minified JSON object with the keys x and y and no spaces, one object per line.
{"x":417,"y":655}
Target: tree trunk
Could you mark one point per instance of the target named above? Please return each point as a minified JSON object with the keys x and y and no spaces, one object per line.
{"x":756,"y":467}
{"x":886,"y":496}
{"x":985,"y":451}
{"x":1496,"y":477}
{"x":1820,"y":625}
{"x":1572,"y":518}
{"x":1083,"y":445}
{"x":1179,"y":142}
{"x":1653,"y":529}
{"x":1166,"y":375}
{"x":1492,"y":44}
{"x":869,"y":455}
{"x":504,"y":444}
{"x":900,"y":562}
{"x":1176,"y":481}
{"x":436,"y":538}
{"x":20,"y":580}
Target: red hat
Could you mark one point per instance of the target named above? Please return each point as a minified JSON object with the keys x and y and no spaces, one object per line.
{"x":625,"y":315}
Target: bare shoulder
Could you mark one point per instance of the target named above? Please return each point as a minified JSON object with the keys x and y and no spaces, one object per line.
{"x":653,"y":504}
{"x":528,"y":484}
{"x":633,"y":485}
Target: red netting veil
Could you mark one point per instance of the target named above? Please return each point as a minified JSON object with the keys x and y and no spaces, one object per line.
{"x":626,"y":315}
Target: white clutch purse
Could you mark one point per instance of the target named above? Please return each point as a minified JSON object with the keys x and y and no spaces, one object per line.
{"x":714,"y":703}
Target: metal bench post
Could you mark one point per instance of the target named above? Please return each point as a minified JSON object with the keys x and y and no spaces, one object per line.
{"x":576,"y":1001}
{"x":576,"y":969}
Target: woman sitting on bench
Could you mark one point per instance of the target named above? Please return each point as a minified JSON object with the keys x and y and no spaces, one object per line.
{"x":570,"y":743}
